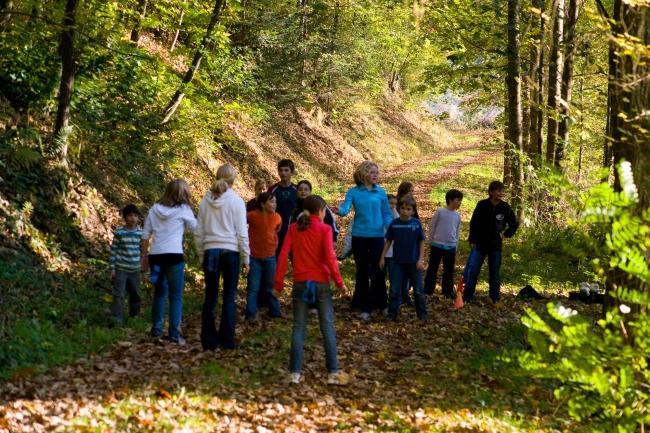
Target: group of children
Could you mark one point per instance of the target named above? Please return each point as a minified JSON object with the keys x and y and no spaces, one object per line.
{"x":287,"y":222}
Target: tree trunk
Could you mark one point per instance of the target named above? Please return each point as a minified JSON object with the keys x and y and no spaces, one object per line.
{"x":142,"y":12}
{"x":66,"y":49}
{"x":302,"y":5}
{"x":555,"y":80}
{"x":178,"y":29}
{"x":5,"y":13}
{"x":537,"y":94}
{"x":175,"y":102}
{"x":513,"y":81}
{"x":332,"y":51}
{"x":567,"y":81}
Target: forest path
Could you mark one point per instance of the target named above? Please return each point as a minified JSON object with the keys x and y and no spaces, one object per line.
{"x":441,"y":375}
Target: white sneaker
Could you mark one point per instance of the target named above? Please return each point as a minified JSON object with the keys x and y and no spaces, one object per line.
{"x":364,"y":316}
{"x":338,"y":378}
{"x":313,"y":311}
{"x":294,"y":378}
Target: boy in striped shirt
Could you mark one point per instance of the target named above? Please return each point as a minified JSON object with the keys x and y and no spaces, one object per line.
{"x":125,"y":264}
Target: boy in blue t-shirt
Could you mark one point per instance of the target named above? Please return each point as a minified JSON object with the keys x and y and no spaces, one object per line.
{"x":406,"y":236}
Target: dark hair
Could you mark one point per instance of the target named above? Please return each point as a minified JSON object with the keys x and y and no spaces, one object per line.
{"x":406,"y":200}
{"x":287,"y":163}
{"x":305,"y":182}
{"x":263,"y":198}
{"x":403,"y":189}
{"x":129,"y":209}
{"x":452,"y":195}
{"x":495,"y":185}
{"x":391,"y":196}
{"x":311,"y":206}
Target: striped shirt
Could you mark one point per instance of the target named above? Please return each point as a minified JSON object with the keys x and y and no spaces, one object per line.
{"x":125,"y":249}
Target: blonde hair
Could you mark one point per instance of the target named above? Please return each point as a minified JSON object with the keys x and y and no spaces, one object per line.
{"x":261,"y":182}
{"x":362,"y":171}
{"x":177,"y":193}
{"x":225,"y":178}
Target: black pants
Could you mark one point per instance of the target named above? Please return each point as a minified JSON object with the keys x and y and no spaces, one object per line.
{"x":370,"y":285}
{"x":448,"y":258}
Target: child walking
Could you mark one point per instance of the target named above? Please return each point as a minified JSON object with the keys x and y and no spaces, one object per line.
{"x":406,"y":236}
{"x":264,"y":224}
{"x":125,"y":264}
{"x":444,"y":230}
{"x":166,"y":222}
{"x":492,"y":220}
{"x":314,"y":264}
{"x":222,"y":239}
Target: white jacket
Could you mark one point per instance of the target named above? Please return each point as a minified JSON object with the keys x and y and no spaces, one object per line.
{"x":222,"y":224}
{"x":166,"y":225}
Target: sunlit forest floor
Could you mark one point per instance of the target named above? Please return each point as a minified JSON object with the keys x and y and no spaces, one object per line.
{"x":455,"y":373}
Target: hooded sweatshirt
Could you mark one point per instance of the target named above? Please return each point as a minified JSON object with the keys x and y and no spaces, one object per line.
{"x":166,"y":225}
{"x":222,"y":224}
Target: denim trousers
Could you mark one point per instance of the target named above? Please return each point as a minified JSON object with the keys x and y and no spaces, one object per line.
{"x":370,"y":285}
{"x":260,"y":278}
{"x":219,"y":262}
{"x":125,"y":283}
{"x":400,"y":273}
{"x":473,"y":268}
{"x":168,"y":282}
{"x":325,"y":320}
{"x":448,"y":258}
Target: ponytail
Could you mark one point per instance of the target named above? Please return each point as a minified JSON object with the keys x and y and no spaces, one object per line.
{"x":225,"y":178}
{"x":312,"y":205}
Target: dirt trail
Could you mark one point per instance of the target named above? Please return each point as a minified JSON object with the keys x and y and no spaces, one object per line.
{"x":144,"y":367}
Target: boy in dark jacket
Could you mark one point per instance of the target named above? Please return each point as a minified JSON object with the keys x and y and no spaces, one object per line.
{"x":492,"y":220}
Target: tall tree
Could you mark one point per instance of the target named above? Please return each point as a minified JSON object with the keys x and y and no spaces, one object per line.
{"x":175,"y":102}
{"x":554,"y":80}
{"x":178,"y":28}
{"x":567,"y":80}
{"x":137,"y":27}
{"x":513,"y":80}
{"x":5,"y":12}
{"x":537,"y":79}
{"x":66,"y":50}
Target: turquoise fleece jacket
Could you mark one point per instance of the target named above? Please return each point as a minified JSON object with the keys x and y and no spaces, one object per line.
{"x":372,"y":212}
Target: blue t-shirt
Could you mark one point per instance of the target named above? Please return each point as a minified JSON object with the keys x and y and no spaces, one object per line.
{"x":406,"y":237}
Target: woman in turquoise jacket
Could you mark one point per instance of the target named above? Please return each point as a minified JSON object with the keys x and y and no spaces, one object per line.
{"x":372,"y":215}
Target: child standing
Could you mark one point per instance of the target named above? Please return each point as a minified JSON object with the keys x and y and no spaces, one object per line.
{"x":125,"y":264}
{"x":260,"y":187}
{"x":304,"y":191}
{"x":263,"y":227}
{"x":166,"y":222}
{"x":406,"y":235}
{"x":444,"y":230}
{"x":492,"y":220}
{"x":314,"y":265}
{"x":286,"y":195}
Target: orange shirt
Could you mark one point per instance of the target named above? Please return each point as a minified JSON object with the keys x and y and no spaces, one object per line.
{"x":263,"y":233}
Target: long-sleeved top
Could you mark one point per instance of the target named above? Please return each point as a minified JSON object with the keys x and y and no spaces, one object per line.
{"x":312,"y":255}
{"x":222,"y":224}
{"x":286,"y":198}
{"x":167,"y":225}
{"x":372,"y":212}
{"x":329,"y":219}
{"x":444,"y":229}
{"x":489,"y":221}
{"x":125,"y":249}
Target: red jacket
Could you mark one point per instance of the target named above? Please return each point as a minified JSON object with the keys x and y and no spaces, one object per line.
{"x":313,"y":256}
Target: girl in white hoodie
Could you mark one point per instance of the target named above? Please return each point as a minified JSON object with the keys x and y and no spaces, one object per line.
{"x":166,"y":222}
{"x":222,"y":239}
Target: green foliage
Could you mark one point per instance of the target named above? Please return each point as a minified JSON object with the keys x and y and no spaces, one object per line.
{"x":601,"y":372}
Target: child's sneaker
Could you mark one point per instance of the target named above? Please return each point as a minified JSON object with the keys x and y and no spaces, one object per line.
{"x":338,"y":378}
{"x":294,"y":378}
{"x":364,"y":316}
{"x":313,"y":311}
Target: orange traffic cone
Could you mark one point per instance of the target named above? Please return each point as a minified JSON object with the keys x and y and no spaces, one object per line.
{"x":460,"y":288}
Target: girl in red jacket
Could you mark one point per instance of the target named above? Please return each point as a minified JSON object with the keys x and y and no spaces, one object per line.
{"x":309,"y":241}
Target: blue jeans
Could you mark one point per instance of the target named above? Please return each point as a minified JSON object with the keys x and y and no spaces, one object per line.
{"x":169,"y":282}
{"x":260,"y":278}
{"x":400,"y":274}
{"x":325,"y":320}
{"x":218,"y":262}
{"x":473,"y":268}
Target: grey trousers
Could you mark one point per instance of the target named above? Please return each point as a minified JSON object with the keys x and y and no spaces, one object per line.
{"x":125,"y":282}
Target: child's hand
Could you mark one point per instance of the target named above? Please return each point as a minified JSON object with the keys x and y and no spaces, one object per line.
{"x":245,"y":269}
{"x":144,"y":262}
{"x":420,"y":265}
{"x":382,"y":263}
{"x":113,"y":275}
{"x":335,"y":209}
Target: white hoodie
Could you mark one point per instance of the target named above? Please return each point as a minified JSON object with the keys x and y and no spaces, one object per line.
{"x":222,"y":224}
{"x":167,"y":225}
